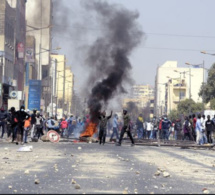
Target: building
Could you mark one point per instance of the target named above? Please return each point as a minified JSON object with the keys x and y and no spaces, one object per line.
{"x":140,"y":95}
{"x":174,"y":84}
{"x":69,"y":90}
{"x":39,"y":21}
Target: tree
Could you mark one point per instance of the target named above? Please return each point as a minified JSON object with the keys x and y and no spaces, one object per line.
{"x":212,"y":102}
{"x":189,"y":105}
{"x":173,"y":115}
{"x":208,"y":90}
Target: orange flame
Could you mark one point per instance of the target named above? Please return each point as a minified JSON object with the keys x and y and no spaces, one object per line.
{"x":91,"y":129}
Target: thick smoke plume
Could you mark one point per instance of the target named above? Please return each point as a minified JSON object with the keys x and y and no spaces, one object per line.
{"x":109,"y":55}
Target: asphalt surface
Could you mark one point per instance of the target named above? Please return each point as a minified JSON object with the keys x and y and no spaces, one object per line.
{"x":104,"y":169}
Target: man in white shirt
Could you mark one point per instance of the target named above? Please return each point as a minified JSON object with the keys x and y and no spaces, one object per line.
{"x":204,"y":136}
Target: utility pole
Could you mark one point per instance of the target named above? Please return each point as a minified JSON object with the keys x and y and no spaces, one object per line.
{"x":64,"y":78}
{"x":203,"y":85}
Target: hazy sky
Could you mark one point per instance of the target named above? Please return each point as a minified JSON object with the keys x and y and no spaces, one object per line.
{"x":175,"y":30}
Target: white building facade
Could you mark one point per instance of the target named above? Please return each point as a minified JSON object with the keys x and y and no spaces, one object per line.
{"x":174,"y":84}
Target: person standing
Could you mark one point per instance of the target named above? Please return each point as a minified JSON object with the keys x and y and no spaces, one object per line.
{"x":21,"y":117}
{"x":177,"y":128}
{"x":64,"y":126}
{"x":148,"y":129}
{"x":204,"y":136}
{"x":39,"y":125}
{"x":33,"y":123}
{"x":103,"y":127}
{"x":209,"y":129}
{"x":165,"y":128}
{"x":187,"y":129}
{"x":126,"y":128}
{"x":27,"y":126}
{"x":115,"y":128}
{"x":194,"y":127}
{"x":3,"y":117}
{"x":139,"y":124}
{"x":199,"y":131}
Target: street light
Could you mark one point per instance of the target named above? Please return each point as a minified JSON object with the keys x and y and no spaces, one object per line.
{"x":206,"y":53}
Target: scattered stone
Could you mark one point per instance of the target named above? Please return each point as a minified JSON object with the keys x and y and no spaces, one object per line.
{"x":125,"y":191}
{"x":137,"y":172}
{"x":6,"y":149}
{"x":77,"y":187}
{"x":205,"y":191}
{"x":73,"y":181}
{"x":136,"y":191}
{"x":156,"y":187}
{"x":10,"y":187}
{"x":166,"y":174}
{"x":27,"y":172}
{"x":157,"y":173}
{"x":79,"y":148}
{"x":15,"y":191}
{"x":37,"y":181}
{"x":5,"y":158}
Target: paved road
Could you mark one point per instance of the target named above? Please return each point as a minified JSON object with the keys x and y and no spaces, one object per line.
{"x":104,"y":169}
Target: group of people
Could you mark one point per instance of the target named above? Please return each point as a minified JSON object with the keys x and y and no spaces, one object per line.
{"x":21,"y":124}
{"x":199,"y":129}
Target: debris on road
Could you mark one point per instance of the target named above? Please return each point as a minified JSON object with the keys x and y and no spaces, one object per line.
{"x":157,"y":173}
{"x":25,"y":149}
{"x":79,"y":148}
{"x":27,"y":172}
{"x":77,"y":187}
{"x":166,"y":174}
{"x":37,"y":181}
{"x":10,"y":187}
{"x":73,"y":181}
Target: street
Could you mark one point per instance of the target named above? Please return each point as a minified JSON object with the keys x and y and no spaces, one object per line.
{"x":104,"y":169}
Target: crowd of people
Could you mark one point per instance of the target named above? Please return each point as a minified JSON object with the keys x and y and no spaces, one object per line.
{"x":198,"y":129}
{"x":21,"y":125}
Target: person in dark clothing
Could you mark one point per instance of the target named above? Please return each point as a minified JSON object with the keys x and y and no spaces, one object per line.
{"x":177,"y":128}
{"x":13,"y":123}
{"x":187,"y":129}
{"x":21,"y":117}
{"x":3,"y":119}
{"x":209,"y":129}
{"x":39,"y":126}
{"x":103,"y":127}
{"x":126,"y":128}
{"x":166,"y":124}
{"x":33,"y":123}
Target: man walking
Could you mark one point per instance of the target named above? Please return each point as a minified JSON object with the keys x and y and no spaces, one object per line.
{"x":33,"y":123}
{"x":177,"y":128}
{"x":126,"y":128}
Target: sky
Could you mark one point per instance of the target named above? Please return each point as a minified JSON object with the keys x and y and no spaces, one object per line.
{"x":175,"y":30}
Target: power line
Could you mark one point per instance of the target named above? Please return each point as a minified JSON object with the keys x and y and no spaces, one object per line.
{"x":155,"y":34}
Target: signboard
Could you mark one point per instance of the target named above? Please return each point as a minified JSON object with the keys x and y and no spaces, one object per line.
{"x":21,"y":50}
{"x":34,"y":95}
{"x":53,"y":136}
{"x":29,"y":55}
{"x":27,"y":74}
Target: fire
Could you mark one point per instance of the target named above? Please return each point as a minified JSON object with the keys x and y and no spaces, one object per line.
{"x":91,"y":129}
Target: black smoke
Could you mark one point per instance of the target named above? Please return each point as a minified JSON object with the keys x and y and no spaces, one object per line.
{"x":108,"y":57}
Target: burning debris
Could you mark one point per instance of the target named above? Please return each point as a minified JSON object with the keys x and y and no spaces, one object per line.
{"x":108,"y":57}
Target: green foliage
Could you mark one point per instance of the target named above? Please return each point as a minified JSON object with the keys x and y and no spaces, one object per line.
{"x":212,"y":104}
{"x":208,"y":90}
{"x":187,"y":106}
{"x":173,"y":115}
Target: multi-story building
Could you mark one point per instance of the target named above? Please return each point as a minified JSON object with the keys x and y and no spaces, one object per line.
{"x":141,"y":95}
{"x":39,"y":21}
{"x":69,"y":90}
{"x":7,"y":51}
{"x":64,"y":80}
{"x":174,"y":84}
